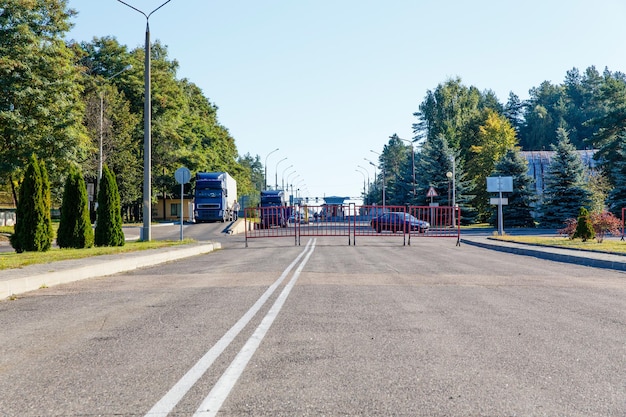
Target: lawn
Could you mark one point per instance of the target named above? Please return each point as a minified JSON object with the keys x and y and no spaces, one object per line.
{"x":611,"y":245}
{"x":9,"y":260}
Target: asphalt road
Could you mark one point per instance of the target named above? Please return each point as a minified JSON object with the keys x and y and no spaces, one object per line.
{"x":377,"y":329}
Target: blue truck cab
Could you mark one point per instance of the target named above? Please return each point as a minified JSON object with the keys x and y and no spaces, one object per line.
{"x":274,"y":210}
{"x":215,"y":195}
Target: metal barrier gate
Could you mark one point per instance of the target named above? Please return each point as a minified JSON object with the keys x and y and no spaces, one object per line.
{"x":352,"y":221}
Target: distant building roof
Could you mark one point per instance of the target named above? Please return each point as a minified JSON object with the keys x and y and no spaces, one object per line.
{"x":539,"y":164}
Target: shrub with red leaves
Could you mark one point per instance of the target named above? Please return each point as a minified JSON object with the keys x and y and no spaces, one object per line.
{"x":603,"y":223}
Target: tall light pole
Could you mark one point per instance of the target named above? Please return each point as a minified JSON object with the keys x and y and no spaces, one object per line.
{"x":361,"y":172}
{"x":412,"y":158}
{"x":383,"y":164}
{"x":100,"y":154}
{"x":283,"y":176}
{"x":368,"y":179}
{"x":276,"y":173}
{"x":453,"y":189}
{"x":147,"y":129}
{"x":267,"y":156}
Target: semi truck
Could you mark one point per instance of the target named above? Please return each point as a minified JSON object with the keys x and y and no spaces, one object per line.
{"x":274,"y":210}
{"x":215,"y":197}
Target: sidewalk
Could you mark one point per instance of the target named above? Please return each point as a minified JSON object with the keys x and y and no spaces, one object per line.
{"x":573,"y":256}
{"x":32,"y":277}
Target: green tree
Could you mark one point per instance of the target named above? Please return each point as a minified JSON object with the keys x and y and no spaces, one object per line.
{"x":543,"y":116}
{"x":617,"y":195}
{"x":109,"y":214}
{"x":495,"y":137}
{"x":565,"y":187}
{"x":447,"y":111}
{"x":432,"y":164}
{"x":584,"y":228}
{"x":40,"y":106}
{"x":522,"y":199}
{"x":75,"y":229}
{"x":33,"y":231}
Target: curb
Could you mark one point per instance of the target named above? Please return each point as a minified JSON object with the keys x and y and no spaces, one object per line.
{"x":558,"y":257}
{"x":99,"y":268}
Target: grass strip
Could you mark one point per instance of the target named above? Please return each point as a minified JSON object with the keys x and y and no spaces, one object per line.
{"x":10,"y":260}
{"x":608,"y":245}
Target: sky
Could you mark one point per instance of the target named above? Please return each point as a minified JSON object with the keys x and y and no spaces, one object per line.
{"x":327,"y":82}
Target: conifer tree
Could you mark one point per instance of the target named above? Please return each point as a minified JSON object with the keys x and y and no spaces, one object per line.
{"x":33,"y":227}
{"x":109,"y":214}
{"x":431,"y":166}
{"x":75,"y":227}
{"x":584,"y":227}
{"x":617,"y":196}
{"x":566,"y":190}
{"x":520,"y":207}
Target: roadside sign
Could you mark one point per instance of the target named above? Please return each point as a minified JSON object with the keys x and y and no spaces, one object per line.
{"x":182,"y":175}
{"x":495,"y":201}
{"x":432,"y":192}
{"x":499,"y":184}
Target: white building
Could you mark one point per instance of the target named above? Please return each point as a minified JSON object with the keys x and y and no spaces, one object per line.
{"x":539,"y":165}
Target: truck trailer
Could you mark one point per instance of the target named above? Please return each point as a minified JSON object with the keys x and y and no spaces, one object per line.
{"x":215,"y":196}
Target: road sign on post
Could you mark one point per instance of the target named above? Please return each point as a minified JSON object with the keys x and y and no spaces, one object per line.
{"x":182,"y":176}
{"x":500,"y":185}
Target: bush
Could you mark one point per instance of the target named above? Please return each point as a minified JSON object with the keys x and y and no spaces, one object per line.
{"x":605,"y":222}
{"x":75,"y":227}
{"x":109,"y":214}
{"x":584,"y":228}
{"x":602,"y":223}
{"x":33,"y":225}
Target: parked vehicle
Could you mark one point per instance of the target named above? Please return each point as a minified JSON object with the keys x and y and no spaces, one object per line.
{"x":298,"y":218}
{"x":399,"y":222}
{"x":215,"y":197}
{"x":274,"y":210}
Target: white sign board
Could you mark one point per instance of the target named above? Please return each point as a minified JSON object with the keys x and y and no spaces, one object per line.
{"x":500,"y":184}
{"x":496,"y":201}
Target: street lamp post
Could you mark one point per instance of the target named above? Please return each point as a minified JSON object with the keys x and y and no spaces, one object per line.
{"x":267,"y":156}
{"x":276,"y":173}
{"x":283,"y":176}
{"x":100,"y":154}
{"x":147,"y":131}
{"x":383,"y":164}
{"x":453,"y":177}
{"x":361,"y":172}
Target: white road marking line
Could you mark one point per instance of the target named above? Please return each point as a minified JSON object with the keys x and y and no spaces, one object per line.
{"x":213,"y":402}
{"x":180,"y":389}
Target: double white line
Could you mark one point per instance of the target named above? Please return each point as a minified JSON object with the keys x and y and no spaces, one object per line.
{"x":212,"y":403}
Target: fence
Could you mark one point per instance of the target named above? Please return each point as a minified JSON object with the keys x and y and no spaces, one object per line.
{"x":352,"y":221}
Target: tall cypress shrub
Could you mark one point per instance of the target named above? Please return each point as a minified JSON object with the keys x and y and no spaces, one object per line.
{"x":33,"y":225}
{"x":75,"y":227}
{"x":109,"y":214}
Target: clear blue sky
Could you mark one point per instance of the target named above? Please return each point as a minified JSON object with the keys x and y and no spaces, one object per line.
{"x":327,"y":81}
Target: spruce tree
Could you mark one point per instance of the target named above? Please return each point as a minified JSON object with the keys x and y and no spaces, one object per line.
{"x":518,"y":213}
{"x":566,"y":190}
{"x":431,"y":166}
{"x":75,"y":227}
{"x":33,"y":226}
{"x":617,"y":196}
{"x":109,"y":214}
